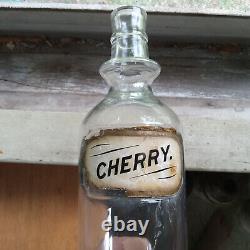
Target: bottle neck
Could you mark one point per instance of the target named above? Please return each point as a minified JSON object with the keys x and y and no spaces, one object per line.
{"x":129,"y":68}
{"x":131,"y":93}
{"x":129,"y":45}
{"x":142,"y":94}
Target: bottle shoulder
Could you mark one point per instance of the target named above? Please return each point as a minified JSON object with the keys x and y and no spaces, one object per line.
{"x":113,"y":113}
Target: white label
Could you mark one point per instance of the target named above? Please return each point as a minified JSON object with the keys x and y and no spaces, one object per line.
{"x":141,"y":165}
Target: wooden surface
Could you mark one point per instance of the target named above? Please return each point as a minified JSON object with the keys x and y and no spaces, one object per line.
{"x":46,"y":91}
{"x":62,"y":75}
{"x":38,"y":208}
{"x":216,"y":7}
{"x":185,"y":24}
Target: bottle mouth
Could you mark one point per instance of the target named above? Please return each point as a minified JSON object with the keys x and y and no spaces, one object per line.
{"x":132,"y":8}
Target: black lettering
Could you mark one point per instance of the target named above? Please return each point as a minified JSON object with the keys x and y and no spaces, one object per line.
{"x":98,"y":170}
{"x":138,"y":160}
{"x":125,"y":164}
{"x":165,"y":153}
{"x":153,"y":155}
{"x":115,"y":167}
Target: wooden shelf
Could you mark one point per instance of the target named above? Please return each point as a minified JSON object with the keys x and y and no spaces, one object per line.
{"x":46,"y":92}
{"x":205,"y":22}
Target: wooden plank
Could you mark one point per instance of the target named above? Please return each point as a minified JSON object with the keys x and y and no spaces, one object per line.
{"x":191,"y":72}
{"x":213,"y":142}
{"x":38,"y":208}
{"x":175,"y":25}
{"x":44,"y":96}
{"x":40,"y":137}
{"x":233,"y":7}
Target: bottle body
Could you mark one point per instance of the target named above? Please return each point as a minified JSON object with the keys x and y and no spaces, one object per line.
{"x":114,"y":219}
{"x":132,"y":192}
{"x":133,"y":224}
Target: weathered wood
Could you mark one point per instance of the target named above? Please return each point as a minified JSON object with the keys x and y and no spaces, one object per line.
{"x":208,"y":88}
{"x":190,"y":72}
{"x":233,"y":7}
{"x":213,"y":141}
{"x":172,"y":24}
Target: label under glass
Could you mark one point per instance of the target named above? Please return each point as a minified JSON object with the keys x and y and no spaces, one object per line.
{"x":141,"y":162}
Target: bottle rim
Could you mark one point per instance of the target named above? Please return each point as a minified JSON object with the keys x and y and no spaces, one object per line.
{"x":129,"y":7}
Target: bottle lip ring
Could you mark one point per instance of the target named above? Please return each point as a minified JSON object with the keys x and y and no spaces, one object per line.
{"x":129,"y":7}
{"x":116,"y":36}
{"x":118,"y":62}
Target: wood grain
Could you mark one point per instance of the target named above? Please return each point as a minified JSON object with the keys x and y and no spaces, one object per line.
{"x":38,"y":207}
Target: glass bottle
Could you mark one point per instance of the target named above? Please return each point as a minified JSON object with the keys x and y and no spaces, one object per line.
{"x":131,"y":163}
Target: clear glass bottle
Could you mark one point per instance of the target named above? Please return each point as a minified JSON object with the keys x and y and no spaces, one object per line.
{"x":131,"y":164}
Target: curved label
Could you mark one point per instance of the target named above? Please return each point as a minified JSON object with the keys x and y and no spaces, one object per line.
{"x":141,"y":164}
